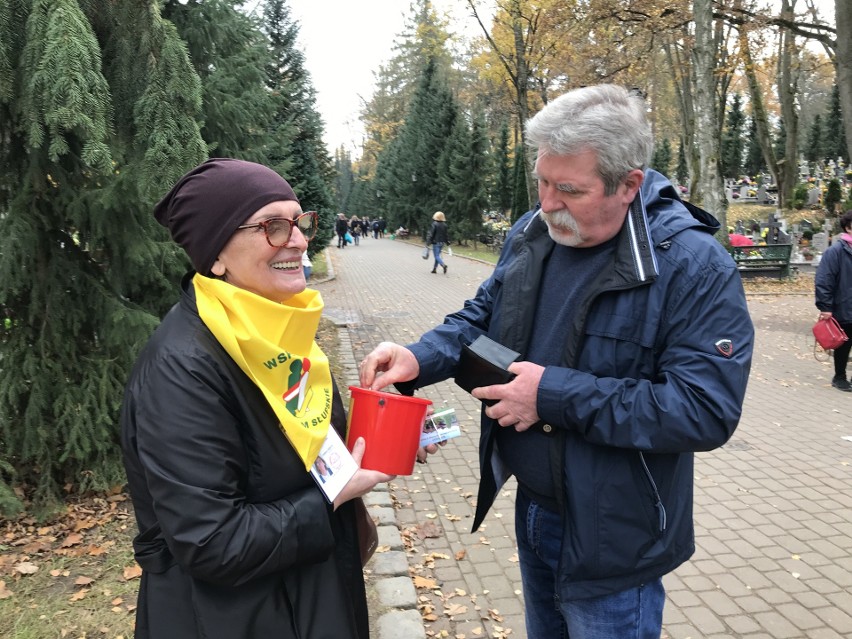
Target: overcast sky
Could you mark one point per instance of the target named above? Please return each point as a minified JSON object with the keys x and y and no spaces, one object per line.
{"x":345,"y":42}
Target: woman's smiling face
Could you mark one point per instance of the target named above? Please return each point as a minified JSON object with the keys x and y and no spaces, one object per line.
{"x":250,"y":263}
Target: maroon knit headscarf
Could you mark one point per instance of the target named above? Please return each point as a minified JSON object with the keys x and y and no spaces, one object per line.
{"x":205,"y":207}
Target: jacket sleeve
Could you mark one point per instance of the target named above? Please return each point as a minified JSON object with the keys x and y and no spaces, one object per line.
{"x":196,"y":469}
{"x":825,"y":281}
{"x":690,"y":401}
{"x":430,"y":236}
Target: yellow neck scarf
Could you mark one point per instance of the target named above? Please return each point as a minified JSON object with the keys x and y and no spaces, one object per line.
{"x":295,"y":380}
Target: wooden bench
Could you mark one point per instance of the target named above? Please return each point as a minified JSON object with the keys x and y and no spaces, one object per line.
{"x":769,"y":260}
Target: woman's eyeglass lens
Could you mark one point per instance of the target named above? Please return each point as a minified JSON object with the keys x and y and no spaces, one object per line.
{"x":279,"y":229}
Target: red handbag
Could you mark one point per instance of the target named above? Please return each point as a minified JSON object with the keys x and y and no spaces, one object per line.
{"x":828,"y":333}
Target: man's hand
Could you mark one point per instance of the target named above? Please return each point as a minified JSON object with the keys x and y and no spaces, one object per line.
{"x":516,"y":401}
{"x":387,"y":364}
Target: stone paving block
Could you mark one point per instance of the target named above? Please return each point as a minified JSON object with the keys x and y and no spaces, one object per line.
{"x":383,"y":515}
{"x":389,"y":536}
{"x":401,"y":624}
{"x":720,"y":603}
{"x":389,"y":563}
{"x":396,"y":592}
{"x":799,"y":616}
{"x":378,"y":498}
{"x":776,"y":625}
{"x":704,"y":619}
{"x":837,"y":619}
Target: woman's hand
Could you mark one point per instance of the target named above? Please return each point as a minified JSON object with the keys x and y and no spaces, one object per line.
{"x":824,"y":315}
{"x":363,"y":481}
{"x":387,"y":364}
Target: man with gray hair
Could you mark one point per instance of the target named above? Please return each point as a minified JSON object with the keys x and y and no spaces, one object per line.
{"x":635,"y":346}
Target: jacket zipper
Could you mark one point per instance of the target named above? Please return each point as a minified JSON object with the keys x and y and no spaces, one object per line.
{"x":661,"y":510}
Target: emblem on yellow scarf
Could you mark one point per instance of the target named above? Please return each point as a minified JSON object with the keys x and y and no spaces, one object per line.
{"x":274,"y":345}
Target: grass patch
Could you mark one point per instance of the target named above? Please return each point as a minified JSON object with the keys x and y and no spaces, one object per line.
{"x":319,"y":268}
{"x":73,"y":577}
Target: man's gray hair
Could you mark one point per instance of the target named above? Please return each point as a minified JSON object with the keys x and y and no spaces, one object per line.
{"x":606,"y":118}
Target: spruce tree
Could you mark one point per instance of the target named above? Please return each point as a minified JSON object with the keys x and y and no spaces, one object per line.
{"x":681,"y":169}
{"x":298,"y":151}
{"x":230,"y":54}
{"x":407,"y":172}
{"x":520,"y":193}
{"x":813,"y":147}
{"x":463,"y":177}
{"x":754,"y":162}
{"x":99,"y":111}
{"x":662,"y":158}
{"x":501,"y":198}
{"x":834,"y":140}
{"x":343,"y":180}
{"x":780,"y":141}
{"x":732,"y":140}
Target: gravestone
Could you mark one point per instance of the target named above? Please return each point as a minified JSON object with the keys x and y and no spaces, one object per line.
{"x":813,"y":196}
{"x":743,"y":191}
{"x":820,"y":241}
{"x":775,"y":233}
{"x":762,"y":196}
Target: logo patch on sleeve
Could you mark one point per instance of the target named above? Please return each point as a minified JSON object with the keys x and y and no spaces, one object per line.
{"x":725,"y":347}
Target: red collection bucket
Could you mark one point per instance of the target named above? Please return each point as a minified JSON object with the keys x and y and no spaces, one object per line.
{"x":390,"y":424}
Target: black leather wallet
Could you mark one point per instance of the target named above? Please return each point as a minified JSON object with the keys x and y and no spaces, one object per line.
{"x":483,"y":363}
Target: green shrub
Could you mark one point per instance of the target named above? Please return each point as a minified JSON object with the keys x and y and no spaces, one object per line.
{"x":800,"y":196}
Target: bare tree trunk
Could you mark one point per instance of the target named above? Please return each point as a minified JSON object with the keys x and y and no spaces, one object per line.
{"x":758,"y":108}
{"x":712,"y":187}
{"x":788,"y":82}
{"x":522,"y":87}
{"x":843,"y":20}
{"x":683,"y":85}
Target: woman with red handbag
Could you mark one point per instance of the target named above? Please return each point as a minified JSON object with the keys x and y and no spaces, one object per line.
{"x":834,"y":295}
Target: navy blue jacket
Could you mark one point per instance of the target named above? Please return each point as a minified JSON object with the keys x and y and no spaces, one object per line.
{"x":654,"y":369}
{"x":834,"y":282}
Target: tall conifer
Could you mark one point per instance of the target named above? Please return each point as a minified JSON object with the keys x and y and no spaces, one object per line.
{"x":298,"y":152}
{"x":501,"y":198}
{"x":98,"y":115}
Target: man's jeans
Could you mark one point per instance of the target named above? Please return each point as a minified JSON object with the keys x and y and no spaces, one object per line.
{"x":632,"y":614}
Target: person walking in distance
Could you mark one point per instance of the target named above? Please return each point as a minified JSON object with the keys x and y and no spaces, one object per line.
{"x":635,"y":345}
{"x":438,"y":236}
{"x":833,"y":284}
{"x":341,"y":227}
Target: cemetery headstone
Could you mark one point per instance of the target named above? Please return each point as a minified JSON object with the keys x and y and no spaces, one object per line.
{"x":820,"y":241}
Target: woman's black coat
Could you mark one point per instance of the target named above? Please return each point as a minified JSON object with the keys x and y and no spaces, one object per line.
{"x":236,"y":539}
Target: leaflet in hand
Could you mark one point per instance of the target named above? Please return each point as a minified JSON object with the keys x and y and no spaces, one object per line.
{"x":439,"y":427}
{"x":334,"y":467}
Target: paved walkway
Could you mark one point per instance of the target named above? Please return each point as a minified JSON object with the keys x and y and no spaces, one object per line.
{"x":773,"y":508}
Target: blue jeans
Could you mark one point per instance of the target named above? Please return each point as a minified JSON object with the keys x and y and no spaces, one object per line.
{"x":436,"y":250}
{"x":636,"y":613}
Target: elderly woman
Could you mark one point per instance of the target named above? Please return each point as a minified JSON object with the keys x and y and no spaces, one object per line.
{"x":224,"y":413}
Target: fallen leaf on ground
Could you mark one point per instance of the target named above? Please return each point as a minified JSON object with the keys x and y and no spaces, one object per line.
{"x":26,"y":568}
{"x":132,"y":572}
{"x":424,"y":582}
